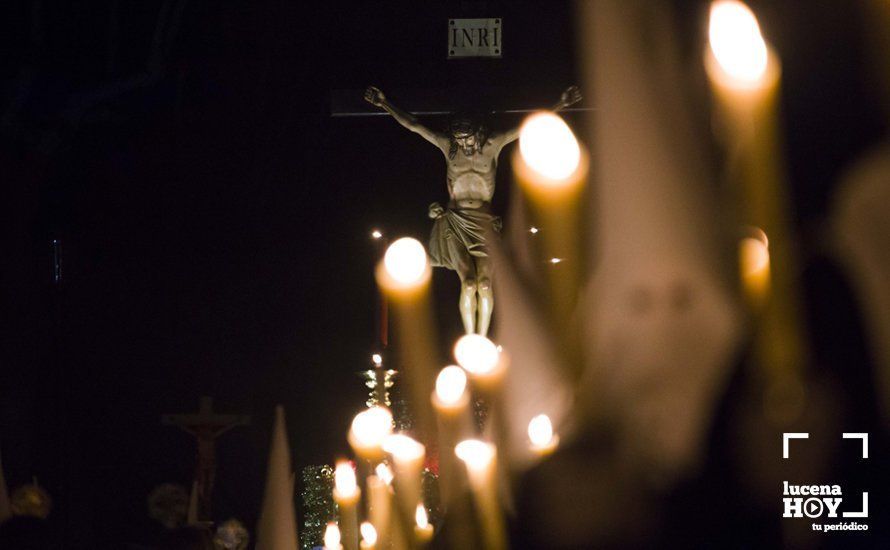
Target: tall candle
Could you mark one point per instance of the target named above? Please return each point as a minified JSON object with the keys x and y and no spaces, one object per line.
{"x":480,"y":459}
{"x":407,"y":462}
{"x":379,"y":508}
{"x":551,"y":168}
{"x":346,"y":495}
{"x":404,"y":276}
{"x":452,"y":403}
{"x":744,"y":73}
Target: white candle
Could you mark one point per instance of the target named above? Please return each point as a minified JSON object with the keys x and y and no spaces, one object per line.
{"x":346,"y":495}
{"x":480,"y":459}
{"x":368,"y":431}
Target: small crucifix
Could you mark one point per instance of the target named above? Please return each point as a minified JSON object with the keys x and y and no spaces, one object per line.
{"x":206,"y":426}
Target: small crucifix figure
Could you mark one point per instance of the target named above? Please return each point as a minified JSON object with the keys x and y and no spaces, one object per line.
{"x":206,"y":426}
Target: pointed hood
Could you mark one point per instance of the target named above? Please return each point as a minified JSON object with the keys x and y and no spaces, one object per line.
{"x":659,"y":308}
{"x":277,"y":529}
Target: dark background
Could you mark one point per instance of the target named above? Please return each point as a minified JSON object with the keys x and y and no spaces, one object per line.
{"x":215,"y":219}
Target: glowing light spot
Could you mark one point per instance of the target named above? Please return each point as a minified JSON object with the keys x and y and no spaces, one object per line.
{"x":540,"y":430}
{"x":372,"y":426}
{"x":450,"y":384}
{"x":332,"y":537}
{"x":384,"y":473}
{"x":402,"y":447}
{"x":369,"y":534}
{"x":736,"y":42}
{"x":549,"y":147}
{"x":555,"y":261}
{"x":420,"y":517}
{"x":405,"y":261}
{"x":344,"y":479}
{"x":476,"y":454}
{"x":376,"y":234}
{"x":477,"y":354}
{"x":533,"y":230}
{"x":377,"y":359}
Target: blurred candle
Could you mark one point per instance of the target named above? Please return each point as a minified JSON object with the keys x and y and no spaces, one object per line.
{"x":480,"y":357}
{"x":404,"y":275}
{"x":480,"y":459}
{"x":551,"y":168}
{"x":405,"y":270}
{"x":368,"y":431}
{"x":379,"y":507}
{"x":346,"y":495}
{"x":332,"y":537}
{"x":407,"y":462}
{"x":745,"y":76}
{"x":451,"y":401}
{"x":369,"y":536}
{"x":540,"y":435}
{"x":423,"y":531}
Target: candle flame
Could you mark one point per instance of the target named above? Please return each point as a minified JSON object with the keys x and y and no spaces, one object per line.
{"x":477,"y":354}
{"x":384,"y":473}
{"x":549,"y":147}
{"x":476,"y":454}
{"x":420,"y":517}
{"x":369,"y":534}
{"x":402,"y":447}
{"x":372,"y":426}
{"x":450,"y":384}
{"x":332,"y":536}
{"x":736,"y":42}
{"x":344,"y":479}
{"x":405,"y":261}
{"x":540,"y":430}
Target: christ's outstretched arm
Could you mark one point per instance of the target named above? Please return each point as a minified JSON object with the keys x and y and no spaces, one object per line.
{"x":570,"y":96}
{"x":375,"y":97}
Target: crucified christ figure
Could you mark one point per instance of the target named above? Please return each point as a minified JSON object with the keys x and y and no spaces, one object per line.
{"x":457,"y":240}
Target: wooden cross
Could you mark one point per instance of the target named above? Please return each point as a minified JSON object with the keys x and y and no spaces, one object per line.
{"x":206,"y":426}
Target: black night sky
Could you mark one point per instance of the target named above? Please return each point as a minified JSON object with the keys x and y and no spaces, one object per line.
{"x":214,"y":217}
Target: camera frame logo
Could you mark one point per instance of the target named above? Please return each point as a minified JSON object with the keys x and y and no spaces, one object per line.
{"x":818,"y":501}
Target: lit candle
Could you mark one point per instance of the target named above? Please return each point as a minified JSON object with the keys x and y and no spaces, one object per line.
{"x":744,"y":73}
{"x":369,"y":536}
{"x":451,"y":401}
{"x":404,"y":276}
{"x":405,"y":270}
{"x":551,"y":168}
{"x":332,"y":537}
{"x":480,"y":459}
{"x":480,"y":357}
{"x":346,"y":495}
{"x":380,"y":504}
{"x":407,"y":461}
{"x":540,"y":435}
{"x":368,"y":431}
{"x":423,"y":531}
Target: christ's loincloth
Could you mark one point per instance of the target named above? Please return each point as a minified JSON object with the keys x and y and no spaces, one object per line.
{"x":466,"y":226}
